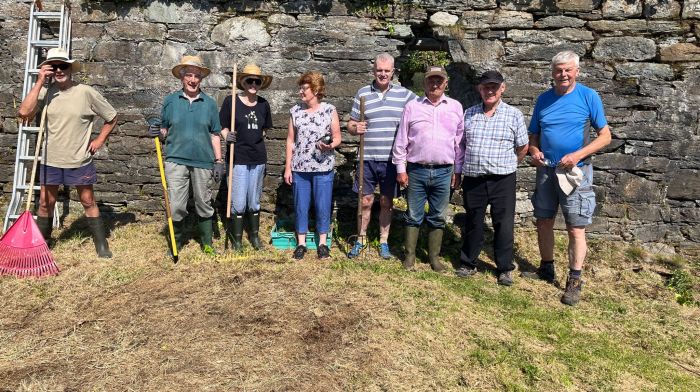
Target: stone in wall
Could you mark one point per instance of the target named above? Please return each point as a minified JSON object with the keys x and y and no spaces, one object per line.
{"x":684,"y":185}
{"x":175,"y":13}
{"x":577,"y":5}
{"x":644,"y":70}
{"x":618,"y":9}
{"x":559,"y":21}
{"x":661,"y":9}
{"x":683,"y":51}
{"x":244,"y":34}
{"x":442,"y":19}
{"x":624,"y":48}
{"x":691,"y":9}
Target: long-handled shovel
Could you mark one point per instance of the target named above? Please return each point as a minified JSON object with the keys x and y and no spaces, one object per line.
{"x":361,"y":178}
{"x":231,"y":149}
{"x":23,"y":250}
{"x":168,"y":213}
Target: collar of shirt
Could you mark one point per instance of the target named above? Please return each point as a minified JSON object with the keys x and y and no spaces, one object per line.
{"x":197,"y":98}
{"x":374,"y":88}
{"x":424,"y":99}
{"x":498,"y":107}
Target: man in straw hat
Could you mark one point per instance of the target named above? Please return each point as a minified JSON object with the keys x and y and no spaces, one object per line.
{"x":253,"y":119}
{"x":384,"y":103}
{"x":190,"y":126}
{"x":561,"y":150}
{"x":68,"y":150}
{"x":428,"y":154}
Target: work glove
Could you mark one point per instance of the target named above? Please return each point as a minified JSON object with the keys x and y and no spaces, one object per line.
{"x":154,"y":127}
{"x":218,"y":171}
{"x":231,"y":137}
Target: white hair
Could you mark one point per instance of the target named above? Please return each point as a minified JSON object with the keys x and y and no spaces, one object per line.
{"x":384,"y":57}
{"x":565,"y":57}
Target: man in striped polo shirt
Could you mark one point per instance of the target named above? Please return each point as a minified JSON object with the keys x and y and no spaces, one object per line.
{"x":384,"y":103}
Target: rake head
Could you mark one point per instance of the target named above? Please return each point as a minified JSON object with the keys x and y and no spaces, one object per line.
{"x":23,"y":251}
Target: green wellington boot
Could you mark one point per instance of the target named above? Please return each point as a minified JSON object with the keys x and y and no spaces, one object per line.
{"x":45,"y":224}
{"x":206,"y":232}
{"x":410,"y":247}
{"x":99,"y":237}
{"x":235,"y":232}
{"x":253,"y":229}
{"x":434,"y":245}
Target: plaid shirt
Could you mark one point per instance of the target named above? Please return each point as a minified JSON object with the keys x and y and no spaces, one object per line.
{"x":491,"y":141}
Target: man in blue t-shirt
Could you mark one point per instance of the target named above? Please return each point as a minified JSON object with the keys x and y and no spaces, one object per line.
{"x":560,"y":148}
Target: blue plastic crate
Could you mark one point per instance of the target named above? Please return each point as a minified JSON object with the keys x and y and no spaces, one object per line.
{"x":288,"y":239}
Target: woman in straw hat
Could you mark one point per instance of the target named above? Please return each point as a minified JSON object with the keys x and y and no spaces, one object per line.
{"x":67,"y":160}
{"x":190,"y":123}
{"x":253,"y":119}
{"x":313,"y":134}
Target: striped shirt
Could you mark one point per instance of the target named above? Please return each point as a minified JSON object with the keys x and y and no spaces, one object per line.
{"x":490,"y":142}
{"x":382,"y":113}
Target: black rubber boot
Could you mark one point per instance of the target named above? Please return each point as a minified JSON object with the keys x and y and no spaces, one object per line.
{"x":206,"y":231}
{"x":410,"y":247}
{"x":235,"y":232}
{"x":434,"y":245}
{"x":45,"y":224}
{"x":99,"y":237}
{"x":254,"y":228}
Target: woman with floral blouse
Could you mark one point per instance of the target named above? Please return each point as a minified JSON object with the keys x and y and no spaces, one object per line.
{"x":314,"y":133}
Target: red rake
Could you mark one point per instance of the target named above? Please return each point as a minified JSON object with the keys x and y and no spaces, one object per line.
{"x":23,"y":250}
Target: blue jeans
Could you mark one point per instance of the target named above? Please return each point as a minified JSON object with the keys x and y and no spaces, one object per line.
{"x":321,"y":185}
{"x":247,"y":188}
{"x":431,"y":184}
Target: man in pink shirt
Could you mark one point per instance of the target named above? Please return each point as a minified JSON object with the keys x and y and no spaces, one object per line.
{"x":428,"y":154}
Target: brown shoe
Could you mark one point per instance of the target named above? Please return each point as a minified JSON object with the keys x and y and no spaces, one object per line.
{"x":572,"y":295}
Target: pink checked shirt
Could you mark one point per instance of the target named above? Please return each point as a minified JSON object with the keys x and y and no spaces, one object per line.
{"x":430,"y":135}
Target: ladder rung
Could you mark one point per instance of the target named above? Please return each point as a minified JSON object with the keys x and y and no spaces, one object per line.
{"x":28,"y":157}
{"x":25,"y":187}
{"x":48,"y":15}
{"x":41,"y":43}
{"x":13,"y":216}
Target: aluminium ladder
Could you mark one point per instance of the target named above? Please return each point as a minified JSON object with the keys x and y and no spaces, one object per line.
{"x":40,"y":37}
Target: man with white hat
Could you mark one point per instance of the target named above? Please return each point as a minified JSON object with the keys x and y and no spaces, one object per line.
{"x":191,"y":128}
{"x":71,"y":109}
{"x":561,"y":150}
{"x":428,"y":154}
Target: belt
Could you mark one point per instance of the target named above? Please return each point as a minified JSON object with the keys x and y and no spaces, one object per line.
{"x":430,"y":165}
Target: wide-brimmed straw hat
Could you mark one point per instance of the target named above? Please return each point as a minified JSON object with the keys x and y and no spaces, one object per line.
{"x":191,"y":61}
{"x":60,"y":54}
{"x":253,"y":70}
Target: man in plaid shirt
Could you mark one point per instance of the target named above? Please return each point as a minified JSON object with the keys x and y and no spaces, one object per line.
{"x":495,"y":141}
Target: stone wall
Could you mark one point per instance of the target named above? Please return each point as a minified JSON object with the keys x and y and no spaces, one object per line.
{"x":642,"y":56}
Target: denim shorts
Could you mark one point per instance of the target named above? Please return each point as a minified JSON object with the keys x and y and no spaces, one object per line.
{"x":84,"y":175}
{"x":577,"y":208}
{"x":378,"y":173}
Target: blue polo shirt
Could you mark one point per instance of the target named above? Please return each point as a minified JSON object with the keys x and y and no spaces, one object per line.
{"x":563,"y":121}
{"x":190,"y":126}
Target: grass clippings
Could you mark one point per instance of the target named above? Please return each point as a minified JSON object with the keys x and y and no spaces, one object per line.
{"x":259,"y":321}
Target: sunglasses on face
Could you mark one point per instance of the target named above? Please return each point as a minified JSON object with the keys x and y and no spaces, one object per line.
{"x":61,"y":66}
{"x":251,"y":81}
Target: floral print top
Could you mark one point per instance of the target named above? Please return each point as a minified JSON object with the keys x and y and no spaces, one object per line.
{"x":309,"y":127}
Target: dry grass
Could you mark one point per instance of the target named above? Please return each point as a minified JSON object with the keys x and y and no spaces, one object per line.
{"x":261,"y":322}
